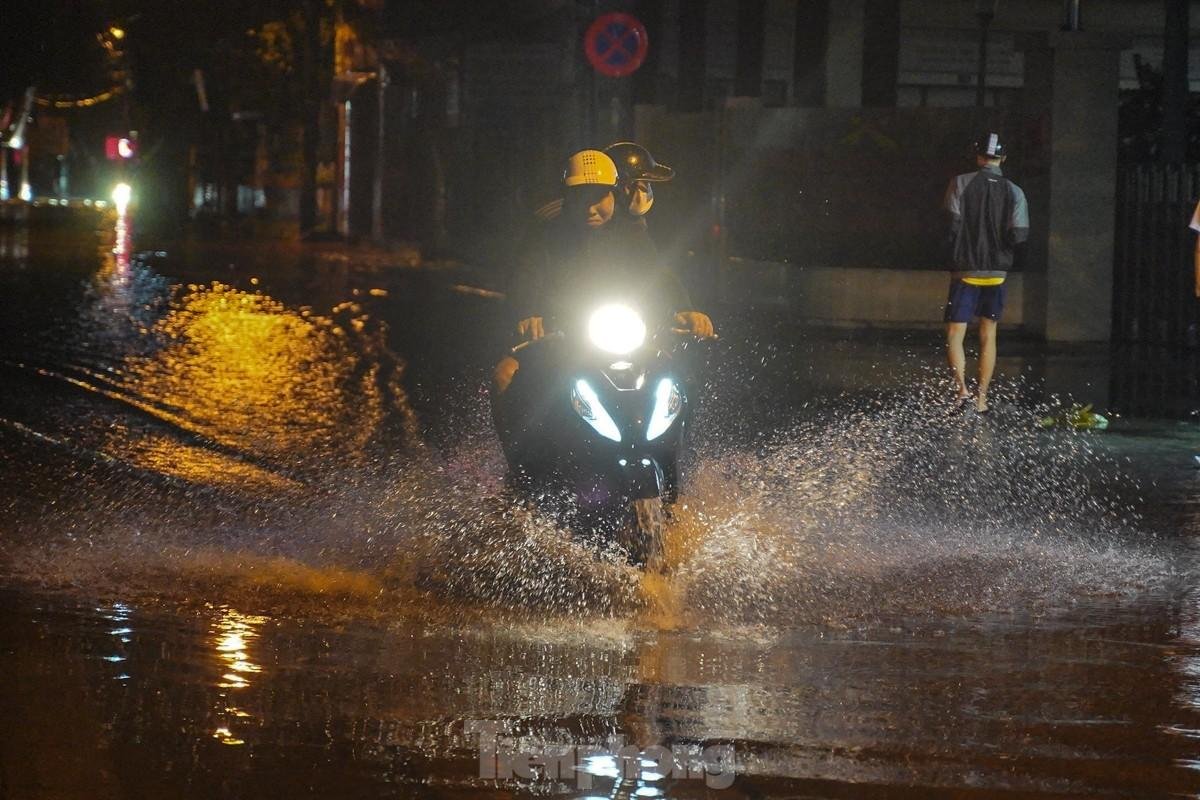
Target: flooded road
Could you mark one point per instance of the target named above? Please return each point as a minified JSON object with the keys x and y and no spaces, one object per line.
{"x":255,"y":541}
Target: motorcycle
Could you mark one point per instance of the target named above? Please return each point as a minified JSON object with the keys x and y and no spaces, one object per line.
{"x":605,"y":418}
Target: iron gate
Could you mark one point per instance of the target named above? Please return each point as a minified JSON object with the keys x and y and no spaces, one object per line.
{"x":1154,"y":298}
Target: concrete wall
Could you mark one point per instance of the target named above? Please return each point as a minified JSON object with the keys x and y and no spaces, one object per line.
{"x":828,"y":295}
{"x":1072,"y":77}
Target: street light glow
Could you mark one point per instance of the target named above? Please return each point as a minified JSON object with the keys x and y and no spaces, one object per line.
{"x":121,"y":194}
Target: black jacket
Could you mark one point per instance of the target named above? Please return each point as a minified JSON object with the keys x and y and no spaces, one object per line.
{"x":989,"y":217}
{"x":566,"y":270}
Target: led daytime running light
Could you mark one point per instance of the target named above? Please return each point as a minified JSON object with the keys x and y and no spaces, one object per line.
{"x":588,"y":406}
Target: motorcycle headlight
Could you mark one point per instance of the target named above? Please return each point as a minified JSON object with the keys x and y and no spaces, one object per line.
{"x":667,"y":405}
{"x":587,"y":405}
{"x":616,"y":329}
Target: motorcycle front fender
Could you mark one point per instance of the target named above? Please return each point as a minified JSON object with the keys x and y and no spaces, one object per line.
{"x":642,"y":479}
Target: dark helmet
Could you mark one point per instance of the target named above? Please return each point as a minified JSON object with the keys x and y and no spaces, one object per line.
{"x":989,"y":145}
{"x":634,"y":163}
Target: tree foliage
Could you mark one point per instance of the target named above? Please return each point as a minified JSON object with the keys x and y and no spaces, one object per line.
{"x":1140,"y":118}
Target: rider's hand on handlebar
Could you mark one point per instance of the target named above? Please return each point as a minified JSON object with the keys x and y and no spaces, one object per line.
{"x":695,"y":323}
{"x":531,"y":328}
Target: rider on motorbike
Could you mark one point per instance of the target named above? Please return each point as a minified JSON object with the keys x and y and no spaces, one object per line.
{"x":593,"y":250}
{"x":593,"y":408}
{"x":595,"y":247}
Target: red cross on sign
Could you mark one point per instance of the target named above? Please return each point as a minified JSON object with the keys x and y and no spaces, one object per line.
{"x":616,"y":44}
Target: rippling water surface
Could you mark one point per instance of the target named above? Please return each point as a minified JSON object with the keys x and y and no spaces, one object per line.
{"x":255,"y":541}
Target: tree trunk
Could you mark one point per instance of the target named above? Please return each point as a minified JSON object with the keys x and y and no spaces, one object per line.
{"x":314,"y":78}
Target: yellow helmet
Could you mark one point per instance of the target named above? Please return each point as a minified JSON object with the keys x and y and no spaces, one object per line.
{"x":590,"y":167}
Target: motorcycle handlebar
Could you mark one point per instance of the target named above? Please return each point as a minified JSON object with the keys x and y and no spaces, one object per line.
{"x":560,"y":335}
{"x":685,"y":332}
{"x":523,"y":345}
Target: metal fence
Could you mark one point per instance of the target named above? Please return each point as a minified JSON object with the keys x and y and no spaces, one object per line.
{"x":1153,"y":290}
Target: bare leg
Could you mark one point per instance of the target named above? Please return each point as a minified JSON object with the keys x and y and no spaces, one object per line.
{"x":987,"y":360}
{"x":955,"y":332}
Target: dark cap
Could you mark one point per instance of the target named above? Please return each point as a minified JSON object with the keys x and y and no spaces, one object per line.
{"x":989,"y":144}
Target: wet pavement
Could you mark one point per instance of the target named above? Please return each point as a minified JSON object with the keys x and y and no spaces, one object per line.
{"x":255,"y":541}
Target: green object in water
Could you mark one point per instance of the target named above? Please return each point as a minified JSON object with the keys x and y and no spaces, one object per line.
{"x":1080,"y":418}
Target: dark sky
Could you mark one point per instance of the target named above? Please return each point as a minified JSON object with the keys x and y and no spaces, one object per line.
{"x":52,"y":43}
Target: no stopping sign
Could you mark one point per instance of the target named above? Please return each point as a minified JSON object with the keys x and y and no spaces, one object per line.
{"x":616,"y":44}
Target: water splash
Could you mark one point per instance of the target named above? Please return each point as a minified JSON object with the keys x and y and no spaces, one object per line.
{"x":252,"y":450}
{"x":865,"y":510}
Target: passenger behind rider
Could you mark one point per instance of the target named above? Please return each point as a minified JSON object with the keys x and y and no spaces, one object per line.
{"x":593,"y":248}
{"x":637,"y":172}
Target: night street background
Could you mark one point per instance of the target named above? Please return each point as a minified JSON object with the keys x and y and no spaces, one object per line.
{"x":257,"y":535}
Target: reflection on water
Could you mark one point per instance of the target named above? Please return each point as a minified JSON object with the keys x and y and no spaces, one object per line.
{"x":1089,"y":703}
{"x":233,"y":635}
{"x":119,"y":614}
{"x":122,"y":240}
{"x":213,"y":384}
{"x":250,"y":374}
{"x":14,"y":245}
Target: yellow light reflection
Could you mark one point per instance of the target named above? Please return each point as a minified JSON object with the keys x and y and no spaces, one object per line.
{"x":252,"y":375}
{"x":232,"y":638}
{"x":225,"y":736}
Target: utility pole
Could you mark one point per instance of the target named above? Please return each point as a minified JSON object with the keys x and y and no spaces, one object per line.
{"x":315,"y":73}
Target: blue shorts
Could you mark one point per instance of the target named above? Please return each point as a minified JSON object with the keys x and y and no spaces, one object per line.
{"x":967,"y":302}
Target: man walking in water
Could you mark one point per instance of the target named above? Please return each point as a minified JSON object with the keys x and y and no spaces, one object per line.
{"x":988,"y":219}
